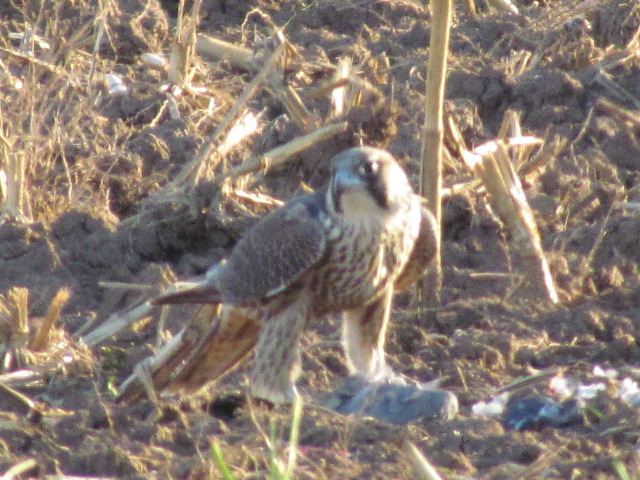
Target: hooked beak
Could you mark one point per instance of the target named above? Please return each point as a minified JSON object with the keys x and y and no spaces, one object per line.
{"x":345,"y":181}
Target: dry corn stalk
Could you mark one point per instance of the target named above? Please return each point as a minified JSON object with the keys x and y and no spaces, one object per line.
{"x":183,"y":44}
{"x":42,"y":337}
{"x":220,"y":50}
{"x":432,"y":134}
{"x":284,"y":152}
{"x":14,"y":328}
{"x":14,"y":196}
{"x":421,"y":466}
{"x":191,"y":169}
{"x":492,"y":164}
{"x":20,"y":337}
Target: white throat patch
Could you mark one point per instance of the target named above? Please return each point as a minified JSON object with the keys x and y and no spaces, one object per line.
{"x":358,"y":206}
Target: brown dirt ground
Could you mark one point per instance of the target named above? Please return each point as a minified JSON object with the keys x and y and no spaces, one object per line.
{"x":92,"y":159}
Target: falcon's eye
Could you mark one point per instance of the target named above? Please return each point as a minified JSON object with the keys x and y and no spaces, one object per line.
{"x":367,"y":169}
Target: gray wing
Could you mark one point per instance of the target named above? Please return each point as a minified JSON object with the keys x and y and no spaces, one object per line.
{"x":275,"y":253}
{"x":422,"y":253}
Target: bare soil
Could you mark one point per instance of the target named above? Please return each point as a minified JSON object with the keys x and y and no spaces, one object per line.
{"x":93,"y":158}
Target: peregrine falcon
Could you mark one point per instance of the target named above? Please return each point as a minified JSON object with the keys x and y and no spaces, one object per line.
{"x":346,"y":248}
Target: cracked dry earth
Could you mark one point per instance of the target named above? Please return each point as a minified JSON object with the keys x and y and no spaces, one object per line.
{"x":569,"y":69}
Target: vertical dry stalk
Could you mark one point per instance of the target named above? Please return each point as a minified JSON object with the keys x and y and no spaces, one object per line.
{"x":15,"y":169}
{"x":183,"y":44}
{"x":100,"y":21}
{"x":43,"y":336}
{"x":14,"y":326}
{"x":432,"y":133}
{"x":509,"y":202}
{"x":19,"y":298}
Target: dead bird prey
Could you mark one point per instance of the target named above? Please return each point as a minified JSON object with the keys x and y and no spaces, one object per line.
{"x":345,"y":248}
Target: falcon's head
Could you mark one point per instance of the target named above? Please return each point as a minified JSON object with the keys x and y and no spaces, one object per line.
{"x":367,"y":181}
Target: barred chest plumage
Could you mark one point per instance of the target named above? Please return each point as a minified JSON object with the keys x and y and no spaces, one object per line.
{"x":363,"y":258}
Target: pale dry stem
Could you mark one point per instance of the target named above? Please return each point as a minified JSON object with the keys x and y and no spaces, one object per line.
{"x":505,"y":6}
{"x":431,"y":136}
{"x":42,"y":337}
{"x":421,"y":466}
{"x":15,"y":401}
{"x":492,"y":164}
{"x":183,"y":44}
{"x":618,"y":112}
{"x":13,"y":208}
{"x":191,"y":169}
{"x":117,"y":322}
{"x":281,"y":154}
{"x":217,"y":49}
{"x":20,"y":468}
{"x":14,"y":326}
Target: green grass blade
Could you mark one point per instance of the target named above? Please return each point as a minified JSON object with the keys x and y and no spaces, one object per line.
{"x":293,"y":439}
{"x":222,"y":465}
{"x":276,"y":468}
{"x":621,"y":470}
